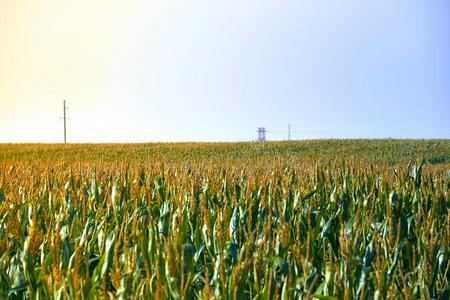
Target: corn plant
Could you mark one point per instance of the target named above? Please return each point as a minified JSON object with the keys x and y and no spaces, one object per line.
{"x":207,"y":221}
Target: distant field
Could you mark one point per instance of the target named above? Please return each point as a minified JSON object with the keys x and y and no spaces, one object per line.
{"x":328,"y":219}
{"x":377,"y":152}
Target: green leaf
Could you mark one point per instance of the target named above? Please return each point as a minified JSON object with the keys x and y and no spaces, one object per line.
{"x":349,"y":226}
{"x":108,"y":247}
{"x":2,"y":196}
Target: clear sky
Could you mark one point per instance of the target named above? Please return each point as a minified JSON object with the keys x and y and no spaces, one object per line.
{"x":140,"y":70}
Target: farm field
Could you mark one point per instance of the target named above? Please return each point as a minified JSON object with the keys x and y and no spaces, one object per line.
{"x":330,"y":219}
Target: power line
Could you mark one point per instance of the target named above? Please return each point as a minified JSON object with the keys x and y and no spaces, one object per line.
{"x":353,"y":132}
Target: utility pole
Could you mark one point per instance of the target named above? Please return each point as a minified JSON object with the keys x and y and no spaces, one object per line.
{"x":65,"y":121}
{"x":289,"y":132}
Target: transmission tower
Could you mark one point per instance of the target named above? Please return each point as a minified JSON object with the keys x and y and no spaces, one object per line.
{"x":261,"y":134}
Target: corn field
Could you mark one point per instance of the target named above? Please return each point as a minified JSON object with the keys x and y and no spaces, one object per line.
{"x":354,"y":219}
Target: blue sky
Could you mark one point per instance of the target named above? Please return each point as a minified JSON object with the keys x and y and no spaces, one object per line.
{"x":217,"y":70}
